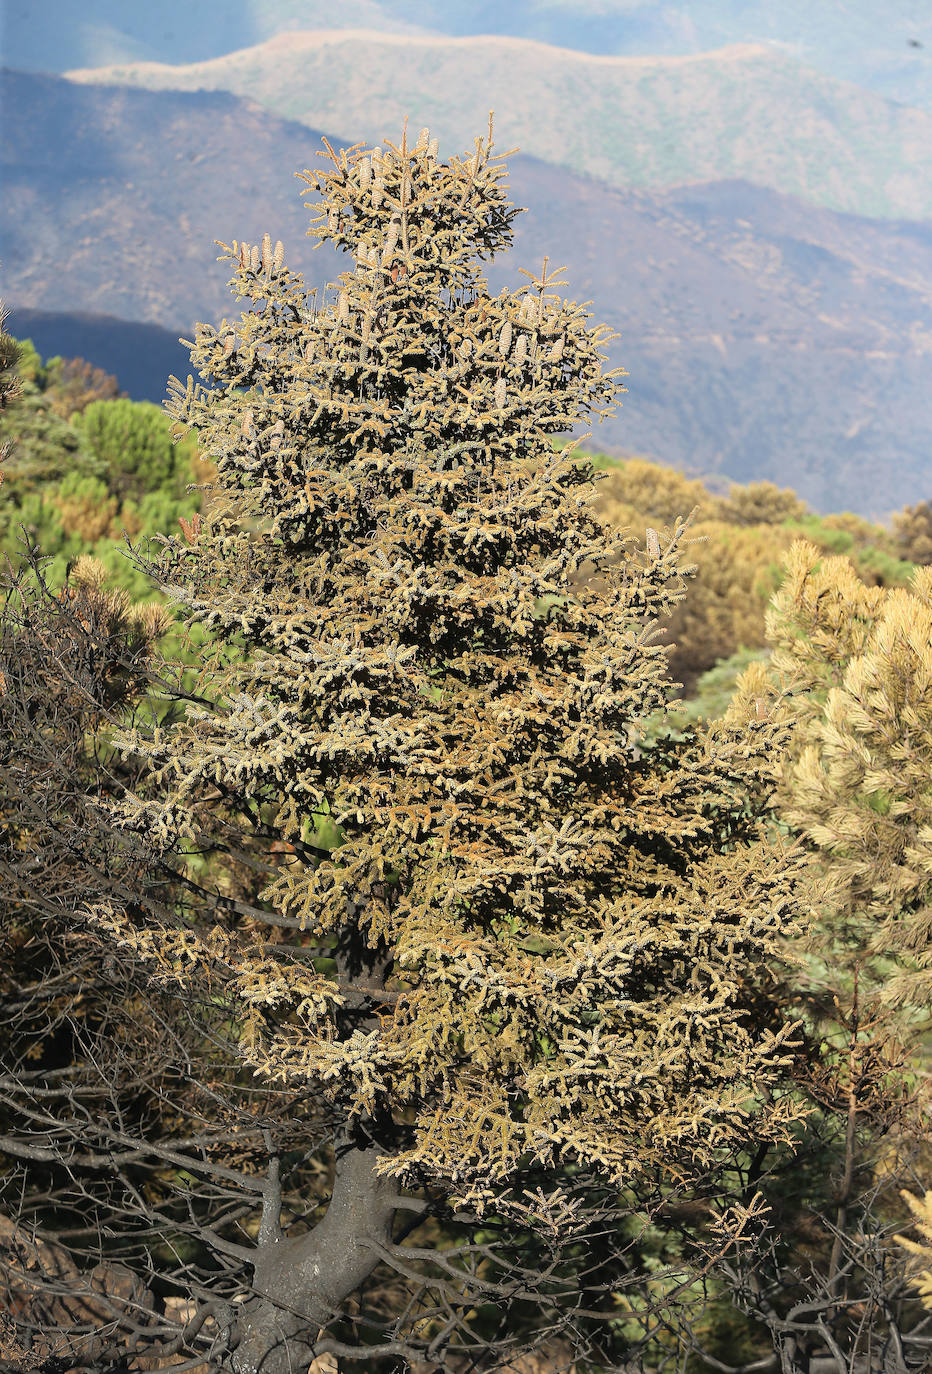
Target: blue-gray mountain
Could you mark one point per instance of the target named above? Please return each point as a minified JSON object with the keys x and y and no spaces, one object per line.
{"x":764,"y":338}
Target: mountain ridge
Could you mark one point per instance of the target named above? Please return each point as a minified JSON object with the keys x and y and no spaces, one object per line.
{"x":763,"y":339}
{"x":887,"y":52}
{"x":631,"y":121}
{"x":289,"y":39}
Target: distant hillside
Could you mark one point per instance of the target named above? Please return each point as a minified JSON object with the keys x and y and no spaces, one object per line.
{"x":748,"y":111}
{"x":764,"y":339}
{"x":860,"y":41}
{"x":141,"y":356}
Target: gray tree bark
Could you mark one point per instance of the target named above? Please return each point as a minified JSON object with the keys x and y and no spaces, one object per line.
{"x":300,"y":1282}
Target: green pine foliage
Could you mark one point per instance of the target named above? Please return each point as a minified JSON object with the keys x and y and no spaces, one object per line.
{"x":43,"y":445}
{"x":82,"y":472}
{"x":559,"y":930}
{"x":133,"y":443}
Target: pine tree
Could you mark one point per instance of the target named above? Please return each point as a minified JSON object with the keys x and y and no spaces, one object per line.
{"x":760,"y":503}
{"x":132,"y":443}
{"x":504,"y":931}
{"x":854,"y":663}
{"x":912,"y":527}
{"x":851,"y":665}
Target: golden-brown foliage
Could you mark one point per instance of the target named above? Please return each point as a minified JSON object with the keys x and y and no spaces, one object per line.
{"x":759,"y":503}
{"x":849,"y":673}
{"x":640,"y":491}
{"x":737,"y":563}
{"x":85,"y":515}
{"x":393,"y":538}
{"x":738,"y":543}
{"x":73,"y":383}
{"x":921,"y":1208}
{"x":913,"y":530}
{"x":863,"y":534}
{"x":857,"y":661}
{"x":726,"y":608}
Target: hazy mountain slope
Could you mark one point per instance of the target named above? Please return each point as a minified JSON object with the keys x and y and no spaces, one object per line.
{"x":764,"y":338}
{"x":113,"y":197}
{"x":141,"y":356}
{"x":632,"y":121}
{"x":853,"y":40}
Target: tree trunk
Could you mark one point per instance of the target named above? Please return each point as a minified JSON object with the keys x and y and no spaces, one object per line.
{"x":300,"y":1282}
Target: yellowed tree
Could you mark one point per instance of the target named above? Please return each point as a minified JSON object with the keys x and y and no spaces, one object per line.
{"x":738,"y":543}
{"x":912,"y":529}
{"x":864,"y":536}
{"x":638,"y":490}
{"x":737,"y":573}
{"x":759,"y":503}
{"x":851,"y":673}
{"x":921,"y":1208}
{"x":521,"y":939}
{"x":735,"y":566}
{"x":857,"y":661}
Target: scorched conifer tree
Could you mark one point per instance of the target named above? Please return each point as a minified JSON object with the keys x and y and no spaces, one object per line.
{"x":851,"y":665}
{"x":503,"y":931}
